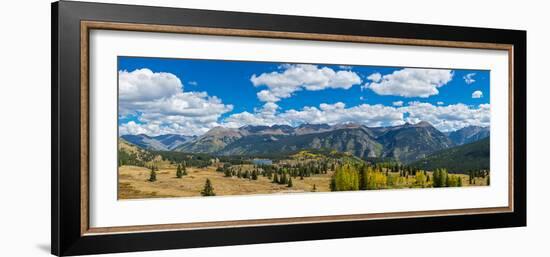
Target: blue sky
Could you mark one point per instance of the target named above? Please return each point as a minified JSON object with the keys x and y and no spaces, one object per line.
{"x":446,"y":98}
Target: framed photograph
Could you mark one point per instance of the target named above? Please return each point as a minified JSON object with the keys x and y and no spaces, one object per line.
{"x":178,"y":128}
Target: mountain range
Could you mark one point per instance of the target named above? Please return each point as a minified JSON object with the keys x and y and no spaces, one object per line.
{"x":158,"y":143}
{"x":471,"y":156}
{"x":469,"y":134}
{"x":406,"y":143}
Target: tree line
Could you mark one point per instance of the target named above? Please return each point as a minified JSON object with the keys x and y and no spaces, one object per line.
{"x":350,"y":177}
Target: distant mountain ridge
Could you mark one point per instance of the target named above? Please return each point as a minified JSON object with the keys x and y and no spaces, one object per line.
{"x":159,"y":143}
{"x":410,"y":142}
{"x":471,"y":156}
{"x":469,"y":134}
{"x":406,"y":143}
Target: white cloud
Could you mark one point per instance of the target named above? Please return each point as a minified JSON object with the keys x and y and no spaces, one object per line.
{"x":444,"y":118}
{"x":398,"y":103}
{"x":170,"y":111}
{"x":261,"y":116}
{"x":193,"y":83}
{"x":469,"y":78}
{"x":268,"y":96}
{"x":440,"y":103}
{"x":410,"y":82}
{"x":131,"y":128}
{"x":450,"y":117}
{"x":371,"y":115}
{"x":477,"y":94}
{"x":193,"y":113}
{"x":145,"y":85}
{"x":296,"y":77}
{"x":375,"y":77}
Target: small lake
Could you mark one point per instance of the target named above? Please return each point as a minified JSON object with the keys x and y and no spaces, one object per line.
{"x":262,"y":161}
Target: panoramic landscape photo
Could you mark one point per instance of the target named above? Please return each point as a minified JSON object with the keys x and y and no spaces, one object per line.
{"x":191,"y":127}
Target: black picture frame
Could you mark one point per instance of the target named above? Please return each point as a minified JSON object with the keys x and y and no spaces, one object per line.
{"x":66,"y":235}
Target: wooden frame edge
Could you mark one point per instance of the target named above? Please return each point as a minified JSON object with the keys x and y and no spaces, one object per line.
{"x":86,"y":26}
{"x":84,"y":128}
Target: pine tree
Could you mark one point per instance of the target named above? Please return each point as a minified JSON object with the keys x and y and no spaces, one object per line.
{"x":289,"y":182}
{"x":489,"y":180}
{"x":363,"y":177}
{"x":208,"y":189}
{"x":152,"y":175}
{"x":227,"y":173}
{"x":183,"y":170}
{"x":444,"y":178}
{"x":275,"y":178}
{"x":459,"y":184}
{"x":283,"y":179}
{"x":437,"y":178}
{"x":179,"y":173}
{"x":314,"y":188}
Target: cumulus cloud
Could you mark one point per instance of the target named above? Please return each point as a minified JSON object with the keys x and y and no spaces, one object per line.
{"x":296,"y":77}
{"x":145,"y":85}
{"x":410,"y":82}
{"x":477,"y":94}
{"x":168,"y":110}
{"x":444,"y":118}
{"x":469,"y":78}
{"x":450,"y":117}
{"x":440,"y":103}
{"x":161,"y":105}
{"x":375,"y":77}
{"x":398,"y":103}
{"x":266,"y":115}
{"x":370,"y":115}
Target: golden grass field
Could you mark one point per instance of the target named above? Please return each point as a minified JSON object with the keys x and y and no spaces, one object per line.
{"x":133,"y":183}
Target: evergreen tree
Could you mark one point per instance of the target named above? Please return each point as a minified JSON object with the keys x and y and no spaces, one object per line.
{"x":437,"y":178}
{"x":459,"y":184}
{"x":227,"y":173}
{"x":275,"y":178}
{"x":444,"y":177}
{"x":283,"y":179}
{"x":488,"y":180}
{"x":289,"y":182}
{"x":254,"y":175}
{"x":314,"y":188}
{"x":208,"y":189}
{"x":153,"y":175}
{"x":179,"y":172}
{"x":183,"y":170}
{"x":363,"y":183}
